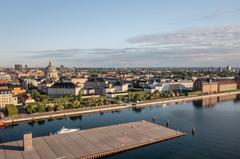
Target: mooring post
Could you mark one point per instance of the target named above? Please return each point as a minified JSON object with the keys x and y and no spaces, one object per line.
{"x":27,"y":141}
{"x":167,"y":123}
{"x":193,"y":131}
{"x":153,"y":119}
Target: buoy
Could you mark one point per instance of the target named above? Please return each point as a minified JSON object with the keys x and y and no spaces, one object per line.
{"x":193,"y":131}
{"x":167,"y":123}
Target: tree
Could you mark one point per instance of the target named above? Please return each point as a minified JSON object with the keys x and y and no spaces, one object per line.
{"x":11,"y":110}
{"x":59,"y":107}
{"x":31,"y":108}
{"x":40,"y":107}
{"x":76,"y":104}
{"x":50,"y":107}
{"x":36,"y":95}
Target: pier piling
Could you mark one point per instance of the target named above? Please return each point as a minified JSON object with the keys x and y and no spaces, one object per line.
{"x":193,"y":131}
{"x":153,"y":119}
{"x":167,"y":123}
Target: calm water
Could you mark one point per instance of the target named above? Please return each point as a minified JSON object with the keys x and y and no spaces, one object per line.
{"x":217,"y":129}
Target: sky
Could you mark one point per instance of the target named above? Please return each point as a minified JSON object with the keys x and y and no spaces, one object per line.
{"x":120,"y":33}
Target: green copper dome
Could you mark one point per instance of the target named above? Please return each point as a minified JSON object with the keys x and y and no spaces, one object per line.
{"x":51,"y":68}
{"x":51,"y":71}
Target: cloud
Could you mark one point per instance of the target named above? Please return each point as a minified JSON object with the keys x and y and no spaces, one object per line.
{"x":228,"y":36}
{"x":190,"y":47}
{"x":210,"y":16}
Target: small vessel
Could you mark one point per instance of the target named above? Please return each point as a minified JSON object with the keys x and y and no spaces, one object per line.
{"x":1,"y":124}
{"x":66,"y":130}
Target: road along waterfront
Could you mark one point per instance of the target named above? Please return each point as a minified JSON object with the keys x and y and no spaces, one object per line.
{"x":64,"y":113}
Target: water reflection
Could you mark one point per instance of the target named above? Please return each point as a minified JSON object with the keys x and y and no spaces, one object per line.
{"x":137,"y":110}
{"x":50,"y":119}
{"x":60,"y":118}
{"x":32,"y":123}
{"x":212,"y":101}
{"x":237,"y":98}
{"x":73,"y":118}
{"x":41,"y":122}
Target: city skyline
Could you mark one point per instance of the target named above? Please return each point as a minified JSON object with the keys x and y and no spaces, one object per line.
{"x":120,"y":34}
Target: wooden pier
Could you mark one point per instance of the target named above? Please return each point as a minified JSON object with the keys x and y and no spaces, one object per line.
{"x":91,"y":143}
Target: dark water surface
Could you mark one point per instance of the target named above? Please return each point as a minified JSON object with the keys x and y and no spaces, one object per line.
{"x":217,"y":123}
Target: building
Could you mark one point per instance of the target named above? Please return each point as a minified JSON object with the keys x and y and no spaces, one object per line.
{"x":61,"y":89}
{"x":26,"y":99}
{"x":51,"y":72}
{"x":206,"y":85}
{"x":18,"y":67}
{"x":227,"y":85}
{"x":5,"y":76}
{"x":117,"y":87}
{"x":33,"y":73}
{"x":88,"y":92}
{"x":29,"y":82}
{"x":96,"y":83}
{"x":229,"y":68}
{"x":4,"y":86}
{"x":6,"y":97}
{"x":79,"y":81}
{"x":3,"y":81}
{"x":17,"y":90}
{"x":44,"y":85}
{"x":170,"y":86}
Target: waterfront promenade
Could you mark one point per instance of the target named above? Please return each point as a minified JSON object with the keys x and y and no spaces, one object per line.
{"x":91,"y":143}
{"x":80,"y":111}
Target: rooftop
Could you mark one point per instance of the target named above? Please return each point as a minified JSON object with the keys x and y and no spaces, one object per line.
{"x":63,"y":85}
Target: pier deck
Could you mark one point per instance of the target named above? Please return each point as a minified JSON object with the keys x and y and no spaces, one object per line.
{"x":90,"y":143}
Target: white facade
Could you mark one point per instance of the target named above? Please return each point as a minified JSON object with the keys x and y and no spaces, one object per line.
{"x":5,"y":76}
{"x":6,"y":97}
{"x":165,"y":87}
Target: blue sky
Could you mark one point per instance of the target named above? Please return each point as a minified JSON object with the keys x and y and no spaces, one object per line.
{"x":120,"y":33}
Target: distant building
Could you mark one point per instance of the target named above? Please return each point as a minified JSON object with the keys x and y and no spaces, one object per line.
{"x":29,"y":82}
{"x":17,"y":90}
{"x":88,"y":91}
{"x":44,"y":85}
{"x":61,"y":89}
{"x":51,"y":72}
{"x":6,"y":97}
{"x":96,"y":83}
{"x":18,"y":67}
{"x":79,"y":81}
{"x":229,"y":68}
{"x":5,"y":76}
{"x":3,"y":81}
{"x":117,"y":87}
{"x":26,"y":99}
{"x":170,"y":86}
{"x":31,"y":73}
{"x":208,"y":85}
{"x":227,"y":85}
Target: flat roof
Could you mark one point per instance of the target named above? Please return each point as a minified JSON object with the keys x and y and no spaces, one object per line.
{"x":91,"y":143}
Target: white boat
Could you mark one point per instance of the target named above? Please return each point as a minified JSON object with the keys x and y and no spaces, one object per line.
{"x":66,"y":130}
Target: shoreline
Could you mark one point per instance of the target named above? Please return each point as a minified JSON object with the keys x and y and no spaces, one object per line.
{"x":106,"y":108}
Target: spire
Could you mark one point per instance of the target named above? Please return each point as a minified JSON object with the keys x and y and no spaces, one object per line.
{"x":50,"y":63}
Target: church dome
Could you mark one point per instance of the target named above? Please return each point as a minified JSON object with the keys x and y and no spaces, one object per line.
{"x":50,"y":67}
{"x":51,"y":71}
